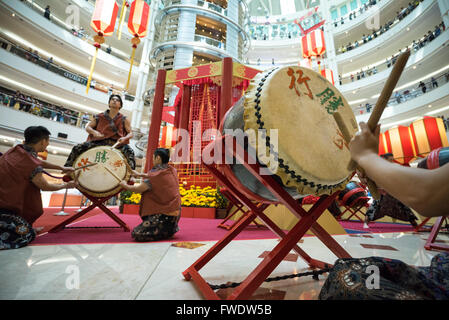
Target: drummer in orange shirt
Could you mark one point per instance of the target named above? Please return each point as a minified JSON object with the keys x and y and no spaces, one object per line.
{"x":160,"y":207}
{"x":107,"y":128}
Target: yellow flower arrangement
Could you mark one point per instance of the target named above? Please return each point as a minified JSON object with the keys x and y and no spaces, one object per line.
{"x":199,"y":197}
{"x":134,"y":198}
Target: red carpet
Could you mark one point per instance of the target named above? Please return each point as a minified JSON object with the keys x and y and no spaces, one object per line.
{"x":190,"y":229}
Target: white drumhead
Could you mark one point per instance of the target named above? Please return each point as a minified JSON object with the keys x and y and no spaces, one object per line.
{"x":98,"y":178}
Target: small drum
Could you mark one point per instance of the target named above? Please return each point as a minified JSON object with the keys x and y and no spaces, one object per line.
{"x":296,"y":104}
{"x":353,"y":196}
{"x":102,"y":179}
{"x":436,"y":158}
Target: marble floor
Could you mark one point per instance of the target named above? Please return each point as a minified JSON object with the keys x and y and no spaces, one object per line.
{"x":153,"y":271}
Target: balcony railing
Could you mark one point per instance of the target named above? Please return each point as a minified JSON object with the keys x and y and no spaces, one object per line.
{"x":53,"y":67}
{"x":80,"y":33}
{"x":390,"y":61}
{"x":367,"y":38}
{"x":43,"y":109}
{"x":410,"y":92}
{"x":210,"y":41}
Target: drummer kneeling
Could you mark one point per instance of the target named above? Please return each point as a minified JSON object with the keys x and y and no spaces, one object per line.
{"x":160,"y":207}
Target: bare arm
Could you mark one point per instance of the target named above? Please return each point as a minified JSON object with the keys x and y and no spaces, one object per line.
{"x":426,"y":191}
{"x":40,"y":182}
{"x":90,"y":129}
{"x":48,"y":165}
{"x":129,"y":136}
{"x":138,"y":188}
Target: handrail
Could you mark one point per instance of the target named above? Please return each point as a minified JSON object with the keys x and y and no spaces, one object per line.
{"x":55,"y":68}
{"x":85,"y":37}
{"x":410,"y":92}
{"x":42,"y":109}
{"x":369,"y":71}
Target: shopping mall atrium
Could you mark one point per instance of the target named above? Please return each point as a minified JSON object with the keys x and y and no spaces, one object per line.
{"x":202,"y":65}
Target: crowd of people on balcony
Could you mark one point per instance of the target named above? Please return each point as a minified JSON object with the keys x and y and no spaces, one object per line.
{"x":353,"y":14}
{"x":399,"y":16}
{"x":27,"y":103}
{"x":389,"y":62}
{"x":410,"y":93}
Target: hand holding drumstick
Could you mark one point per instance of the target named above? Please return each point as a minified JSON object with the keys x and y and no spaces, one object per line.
{"x":373,"y":121}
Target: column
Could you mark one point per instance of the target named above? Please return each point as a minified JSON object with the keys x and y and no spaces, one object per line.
{"x":232,"y":36}
{"x":186,"y":32}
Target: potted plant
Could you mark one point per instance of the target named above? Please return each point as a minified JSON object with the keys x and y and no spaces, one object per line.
{"x":130,"y":202}
{"x":198,"y":202}
{"x":222,"y":205}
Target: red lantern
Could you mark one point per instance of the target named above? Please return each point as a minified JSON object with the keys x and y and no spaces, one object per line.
{"x":318,"y":46}
{"x":428,"y":134}
{"x":328,"y":74}
{"x":399,"y":142}
{"x":137,"y":26}
{"x":306,"y":52}
{"x":103,"y":23}
{"x":313,"y":44}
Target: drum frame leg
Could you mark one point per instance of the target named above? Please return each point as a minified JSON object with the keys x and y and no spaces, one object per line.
{"x":96,"y":202}
{"x":239,"y":207}
{"x":353,"y":213}
{"x":430,"y":244}
{"x":288,"y":242}
{"x":418,"y":228}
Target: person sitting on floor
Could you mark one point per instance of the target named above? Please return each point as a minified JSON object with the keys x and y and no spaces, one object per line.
{"x":426,"y":191}
{"x":389,"y":206}
{"x":21,"y":179}
{"x":160,"y":207}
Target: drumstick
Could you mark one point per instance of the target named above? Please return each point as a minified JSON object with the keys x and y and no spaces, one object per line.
{"x":86,"y":166}
{"x":115,"y":176}
{"x":344,"y":130}
{"x":385,"y":96}
{"x":116,"y":144}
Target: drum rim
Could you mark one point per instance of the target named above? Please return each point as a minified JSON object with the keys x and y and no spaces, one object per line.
{"x":252,"y":111}
{"x":108,"y":192}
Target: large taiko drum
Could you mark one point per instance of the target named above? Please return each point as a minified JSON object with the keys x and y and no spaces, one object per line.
{"x":435,"y":159}
{"x":102,"y":179}
{"x":292,"y":109}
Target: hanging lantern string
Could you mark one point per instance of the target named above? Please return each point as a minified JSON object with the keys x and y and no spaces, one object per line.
{"x":99,"y":40}
{"x":135,"y":41}
{"x":122,"y":18}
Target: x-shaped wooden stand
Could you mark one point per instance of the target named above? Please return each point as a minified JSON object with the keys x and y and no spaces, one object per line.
{"x":288,"y":242}
{"x":96,"y":202}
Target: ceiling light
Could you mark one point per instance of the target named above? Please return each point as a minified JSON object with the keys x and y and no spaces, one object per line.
{"x":430,"y":106}
{"x":414,"y":67}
